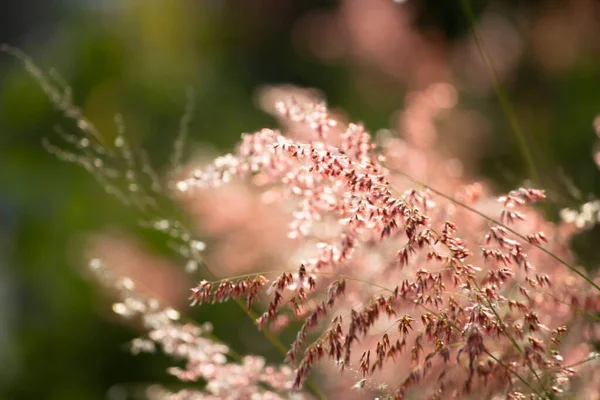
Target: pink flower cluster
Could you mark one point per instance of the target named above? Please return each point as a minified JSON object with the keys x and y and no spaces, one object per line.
{"x":205,"y":357}
{"x":395,"y":280}
{"x":412,"y":279}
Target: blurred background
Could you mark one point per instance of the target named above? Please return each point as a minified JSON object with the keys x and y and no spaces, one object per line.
{"x":57,"y":337}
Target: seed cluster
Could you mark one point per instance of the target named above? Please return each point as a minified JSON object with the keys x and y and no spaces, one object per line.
{"x":463,"y":290}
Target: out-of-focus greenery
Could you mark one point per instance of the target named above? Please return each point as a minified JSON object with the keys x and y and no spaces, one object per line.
{"x":57,"y":338}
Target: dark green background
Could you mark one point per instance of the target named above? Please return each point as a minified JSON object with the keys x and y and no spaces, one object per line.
{"x":138,"y":58}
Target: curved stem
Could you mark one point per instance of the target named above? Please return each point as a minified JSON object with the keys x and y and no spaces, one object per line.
{"x":274,"y":340}
{"x":502,"y":95}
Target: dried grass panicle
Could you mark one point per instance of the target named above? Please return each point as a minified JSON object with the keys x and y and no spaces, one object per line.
{"x":207,"y":292}
{"x":413,"y":291}
{"x":491,"y":304}
{"x":228,"y":375}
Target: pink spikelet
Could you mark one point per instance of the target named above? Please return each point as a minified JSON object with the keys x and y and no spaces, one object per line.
{"x":401,"y":272}
{"x":475,"y":293}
